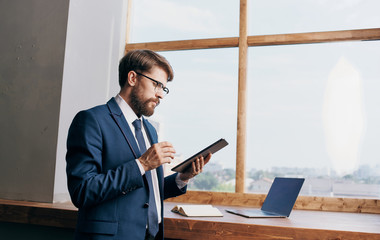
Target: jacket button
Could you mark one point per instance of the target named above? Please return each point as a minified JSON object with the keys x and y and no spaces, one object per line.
{"x":146,"y":205}
{"x":124,"y":192}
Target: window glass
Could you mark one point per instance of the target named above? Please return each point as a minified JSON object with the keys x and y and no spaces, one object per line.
{"x":314,"y":112}
{"x":200,"y":109}
{"x":295,"y":16}
{"x":166,"y":20}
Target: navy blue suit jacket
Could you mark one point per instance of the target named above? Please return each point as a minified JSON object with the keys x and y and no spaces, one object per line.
{"x":104,"y":179}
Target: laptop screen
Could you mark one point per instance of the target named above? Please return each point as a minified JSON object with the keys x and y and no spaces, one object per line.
{"x":282,"y":195}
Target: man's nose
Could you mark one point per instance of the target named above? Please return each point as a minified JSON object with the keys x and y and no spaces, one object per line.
{"x":160,"y":94}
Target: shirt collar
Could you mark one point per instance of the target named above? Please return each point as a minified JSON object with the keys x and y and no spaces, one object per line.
{"x":128,"y":112}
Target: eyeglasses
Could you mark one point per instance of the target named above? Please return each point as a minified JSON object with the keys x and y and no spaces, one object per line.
{"x":157,"y":84}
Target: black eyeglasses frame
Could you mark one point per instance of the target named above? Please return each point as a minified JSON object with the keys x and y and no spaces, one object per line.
{"x":158,"y":83}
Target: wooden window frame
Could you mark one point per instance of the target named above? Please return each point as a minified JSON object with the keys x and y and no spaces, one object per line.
{"x":239,"y":198}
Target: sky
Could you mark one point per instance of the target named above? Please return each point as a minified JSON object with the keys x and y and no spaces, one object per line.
{"x":292,"y":106}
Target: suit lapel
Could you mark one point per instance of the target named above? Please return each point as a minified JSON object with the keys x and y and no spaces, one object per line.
{"x":149,"y":133}
{"x":121,"y":122}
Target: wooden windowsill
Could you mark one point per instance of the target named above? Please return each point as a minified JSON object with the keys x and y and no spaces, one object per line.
{"x":301,"y":224}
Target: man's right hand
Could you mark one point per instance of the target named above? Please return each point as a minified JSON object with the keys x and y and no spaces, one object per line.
{"x":157,"y":155}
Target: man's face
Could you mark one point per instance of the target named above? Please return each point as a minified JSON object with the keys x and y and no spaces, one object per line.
{"x":145,"y":96}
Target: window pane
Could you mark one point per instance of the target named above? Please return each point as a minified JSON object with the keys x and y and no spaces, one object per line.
{"x":200,"y":109}
{"x":275,"y":17}
{"x":314,"y":112}
{"x":165,"y":20}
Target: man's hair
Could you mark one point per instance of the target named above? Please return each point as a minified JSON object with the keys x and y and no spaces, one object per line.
{"x":141,"y":61}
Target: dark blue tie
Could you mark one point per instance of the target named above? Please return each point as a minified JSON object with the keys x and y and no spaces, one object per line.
{"x":152,"y":210}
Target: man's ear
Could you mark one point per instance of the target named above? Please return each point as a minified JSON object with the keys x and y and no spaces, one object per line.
{"x":132,"y":78}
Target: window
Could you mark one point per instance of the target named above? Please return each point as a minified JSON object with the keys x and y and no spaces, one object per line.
{"x":313,"y":113}
{"x":287,"y":73}
{"x":200,"y":109}
{"x":164,"y":20}
{"x":296,"y":16}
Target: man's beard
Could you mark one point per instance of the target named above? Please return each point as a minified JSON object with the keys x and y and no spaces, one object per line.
{"x":141,"y":107}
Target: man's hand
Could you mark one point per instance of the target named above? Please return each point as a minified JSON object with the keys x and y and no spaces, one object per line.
{"x":157,"y":155}
{"x":195,"y":169}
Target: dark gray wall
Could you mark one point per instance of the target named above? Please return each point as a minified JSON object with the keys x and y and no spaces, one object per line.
{"x":32,"y":46}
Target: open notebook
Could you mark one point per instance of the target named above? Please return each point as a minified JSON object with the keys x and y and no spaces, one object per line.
{"x":279,"y":202}
{"x":196,"y":210}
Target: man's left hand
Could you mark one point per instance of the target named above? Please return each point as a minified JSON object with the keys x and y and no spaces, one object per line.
{"x":195,"y":169}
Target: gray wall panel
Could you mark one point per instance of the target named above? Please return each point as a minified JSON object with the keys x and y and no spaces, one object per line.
{"x":32,"y":46}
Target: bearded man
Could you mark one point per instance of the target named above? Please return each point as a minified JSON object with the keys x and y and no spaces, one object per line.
{"x":114,"y":160}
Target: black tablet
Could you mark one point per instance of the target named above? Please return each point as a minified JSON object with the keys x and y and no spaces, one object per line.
{"x":213,"y":148}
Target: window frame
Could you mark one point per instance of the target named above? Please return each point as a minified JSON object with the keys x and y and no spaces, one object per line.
{"x":243,"y":41}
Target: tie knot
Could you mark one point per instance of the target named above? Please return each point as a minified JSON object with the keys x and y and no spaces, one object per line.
{"x":137,"y":124}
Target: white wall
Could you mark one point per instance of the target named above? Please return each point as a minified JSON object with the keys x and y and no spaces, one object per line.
{"x":94,"y":45}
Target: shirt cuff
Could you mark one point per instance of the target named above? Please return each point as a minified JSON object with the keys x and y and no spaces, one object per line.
{"x":180,"y":184}
{"x":142,"y":171}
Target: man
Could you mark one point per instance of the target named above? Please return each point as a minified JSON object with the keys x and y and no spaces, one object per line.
{"x":114,"y":160}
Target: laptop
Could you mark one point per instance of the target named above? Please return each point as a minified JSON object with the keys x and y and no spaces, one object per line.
{"x":278,"y":203}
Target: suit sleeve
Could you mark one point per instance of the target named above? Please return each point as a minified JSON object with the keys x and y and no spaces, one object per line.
{"x":89,"y":184}
{"x":171,"y":187}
